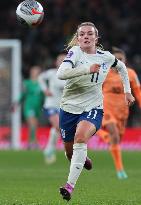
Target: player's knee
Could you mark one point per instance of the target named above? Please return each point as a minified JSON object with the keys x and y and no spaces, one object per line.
{"x":115,"y":138}
{"x":79,"y":138}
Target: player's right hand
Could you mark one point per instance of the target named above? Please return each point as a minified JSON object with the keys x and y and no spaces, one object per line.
{"x":94,"y":68}
{"x":48,"y":93}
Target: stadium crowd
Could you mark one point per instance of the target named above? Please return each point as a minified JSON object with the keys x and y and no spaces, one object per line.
{"x":120,"y":27}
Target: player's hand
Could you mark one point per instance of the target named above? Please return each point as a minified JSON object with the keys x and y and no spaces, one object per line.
{"x":48,"y":93}
{"x":95,"y":68}
{"x":129,"y":99}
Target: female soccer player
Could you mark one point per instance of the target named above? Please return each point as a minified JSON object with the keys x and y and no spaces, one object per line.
{"x":116,"y":111}
{"x":32,"y":98}
{"x":85,"y":69}
{"x":53,"y":89}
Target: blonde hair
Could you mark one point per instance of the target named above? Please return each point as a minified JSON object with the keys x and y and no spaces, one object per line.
{"x":73,"y":41}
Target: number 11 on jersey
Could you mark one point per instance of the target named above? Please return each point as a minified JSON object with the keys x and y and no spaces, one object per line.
{"x":94,"y":77}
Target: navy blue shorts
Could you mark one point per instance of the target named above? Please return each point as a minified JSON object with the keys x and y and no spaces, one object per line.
{"x":68,"y":122}
{"x":50,"y":111}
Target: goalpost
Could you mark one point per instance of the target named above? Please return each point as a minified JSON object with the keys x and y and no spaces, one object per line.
{"x":10,"y":87}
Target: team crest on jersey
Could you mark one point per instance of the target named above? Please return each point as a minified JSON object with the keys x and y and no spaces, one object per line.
{"x":104,"y":67}
{"x":69,"y":55}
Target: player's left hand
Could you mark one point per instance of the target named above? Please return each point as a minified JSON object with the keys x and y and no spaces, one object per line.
{"x":129,"y":99}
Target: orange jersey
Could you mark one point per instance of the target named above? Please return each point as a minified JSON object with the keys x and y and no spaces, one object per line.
{"x":114,"y":98}
{"x":135,"y":85}
{"x":115,"y":108}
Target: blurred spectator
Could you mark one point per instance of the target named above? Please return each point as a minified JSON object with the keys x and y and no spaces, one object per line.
{"x":121,"y":22}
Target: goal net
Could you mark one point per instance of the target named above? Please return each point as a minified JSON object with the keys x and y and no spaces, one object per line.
{"x":10,"y":83}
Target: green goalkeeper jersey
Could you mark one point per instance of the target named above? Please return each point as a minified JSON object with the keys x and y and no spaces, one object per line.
{"x":32,"y":97}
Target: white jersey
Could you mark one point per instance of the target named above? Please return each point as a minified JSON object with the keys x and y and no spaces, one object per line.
{"x":83,"y":91}
{"x":49,"y":80}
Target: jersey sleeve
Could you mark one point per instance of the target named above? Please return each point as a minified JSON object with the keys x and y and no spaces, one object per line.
{"x":72,"y":56}
{"x":112,"y":59}
{"x":133,"y":78}
{"x":43,"y":77}
{"x":69,"y":69}
{"x":122,"y":70}
{"x":135,"y":85}
{"x":120,"y":66}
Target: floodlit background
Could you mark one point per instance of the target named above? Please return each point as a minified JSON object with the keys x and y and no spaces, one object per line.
{"x":118,"y":23}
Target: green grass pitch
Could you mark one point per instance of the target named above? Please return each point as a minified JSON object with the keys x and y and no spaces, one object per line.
{"x":26,"y":180}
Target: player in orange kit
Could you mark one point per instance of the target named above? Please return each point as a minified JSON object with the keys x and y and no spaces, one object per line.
{"x":116,"y":112}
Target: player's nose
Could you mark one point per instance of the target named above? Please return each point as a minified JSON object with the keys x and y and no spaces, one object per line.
{"x":85,"y":36}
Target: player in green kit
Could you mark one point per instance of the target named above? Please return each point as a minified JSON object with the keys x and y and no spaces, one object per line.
{"x":32,"y":98}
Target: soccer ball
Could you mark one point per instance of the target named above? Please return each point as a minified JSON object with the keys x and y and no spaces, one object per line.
{"x":30,"y":12}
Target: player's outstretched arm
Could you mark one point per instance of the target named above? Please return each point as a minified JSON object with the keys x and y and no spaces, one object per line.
{"x":124,"y":76}
{"x":43,"y":77}
{"x":135,"y":85}
{"x":125,"y":79}
{"x":67,"y":71}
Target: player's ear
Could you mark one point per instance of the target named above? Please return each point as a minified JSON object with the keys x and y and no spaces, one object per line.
{"x":96,"y":40}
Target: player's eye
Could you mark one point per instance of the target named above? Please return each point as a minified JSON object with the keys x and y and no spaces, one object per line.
{"x":90,"y":34}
